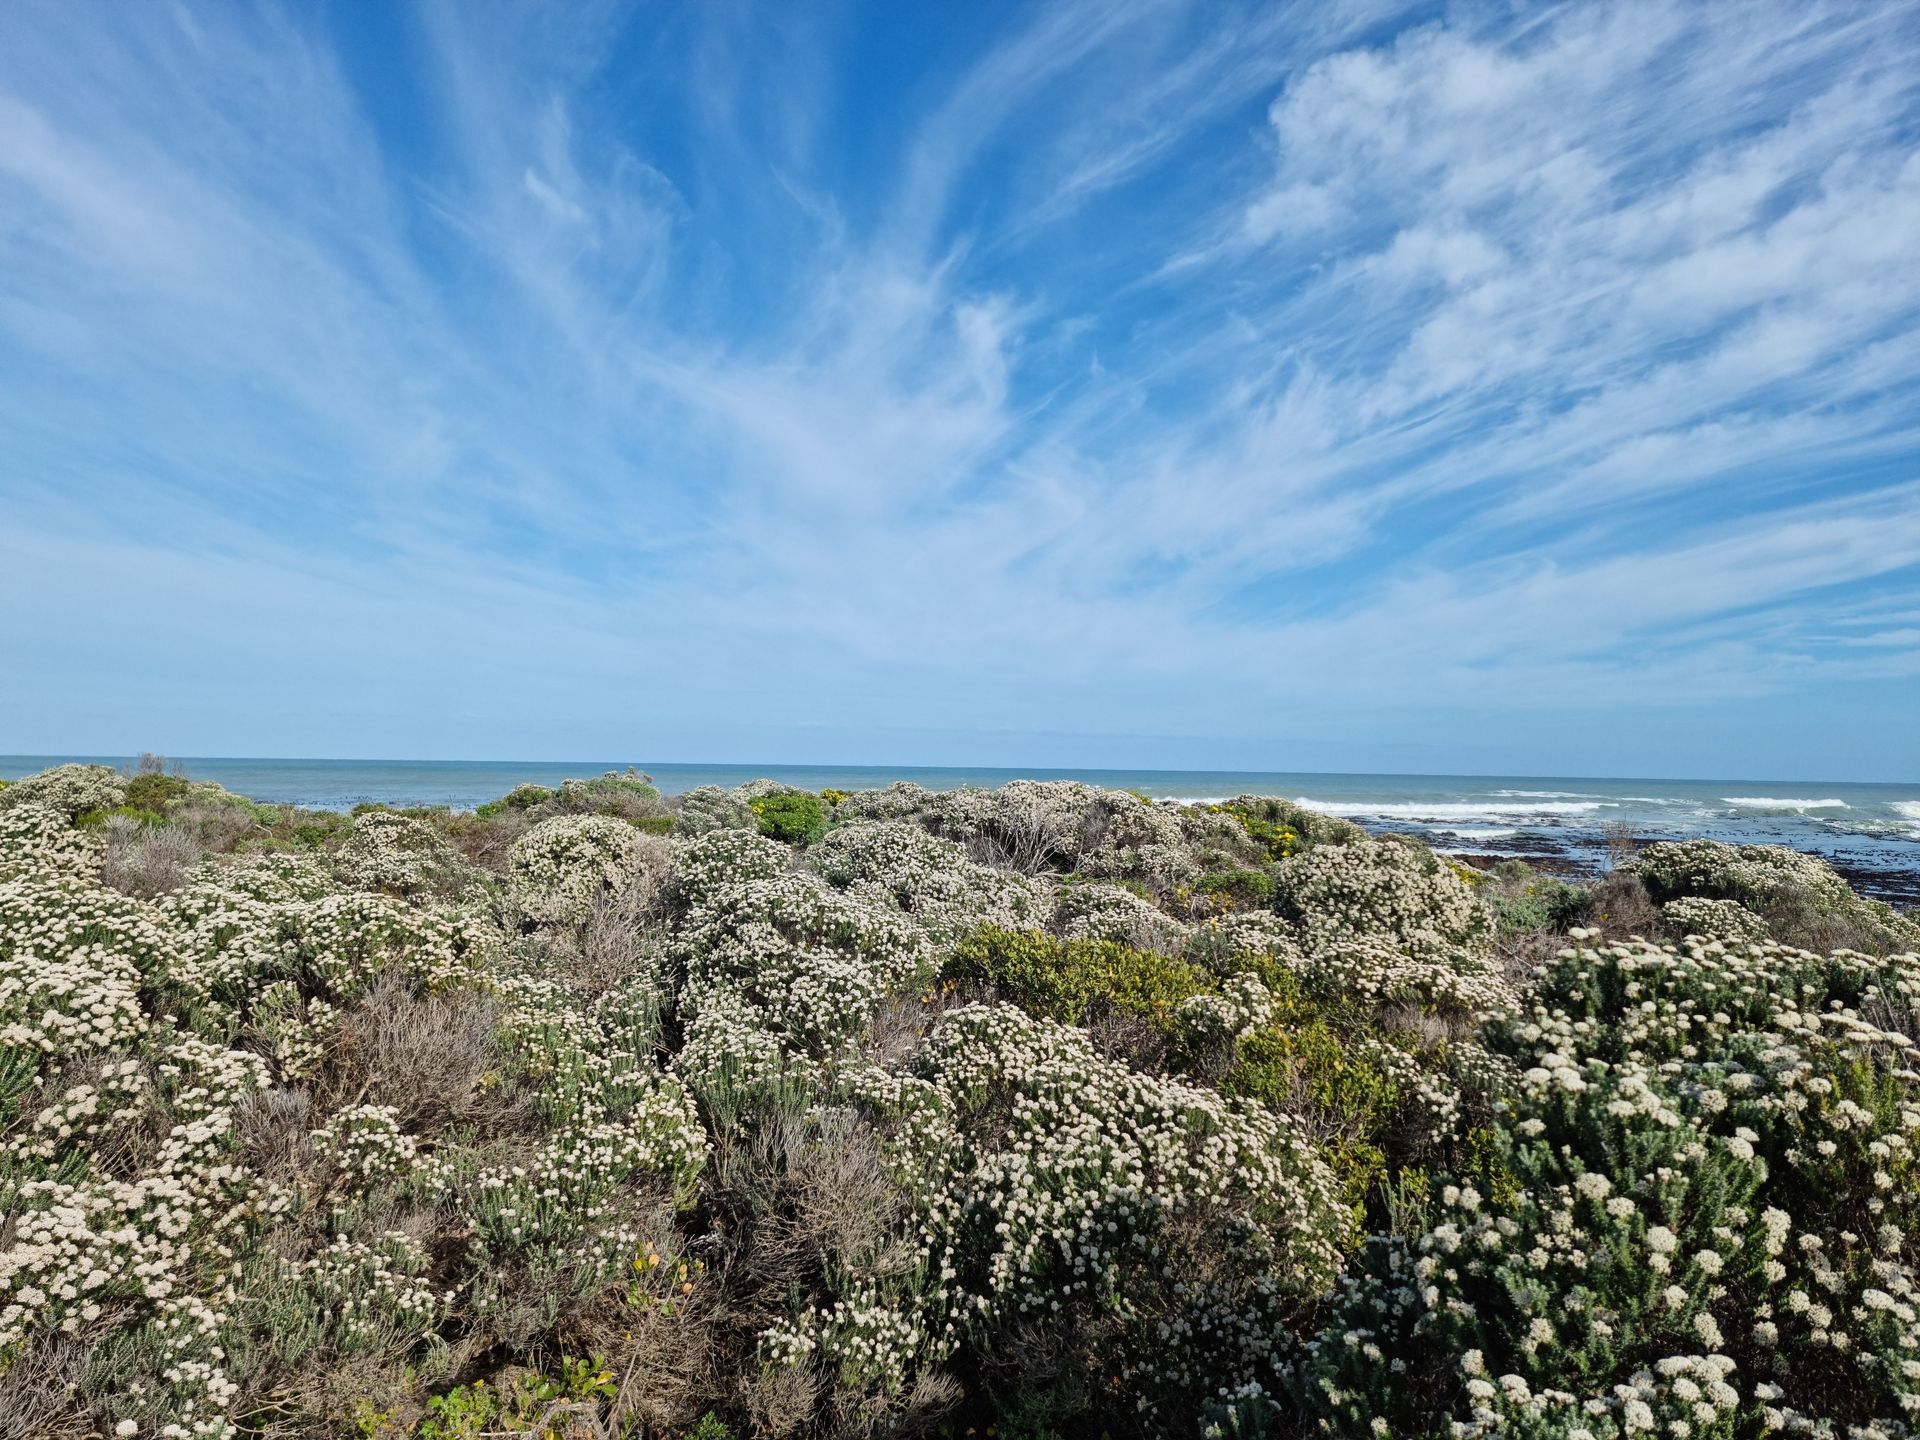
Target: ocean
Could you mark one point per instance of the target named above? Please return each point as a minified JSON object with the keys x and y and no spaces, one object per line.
{"x":1871,"y":832}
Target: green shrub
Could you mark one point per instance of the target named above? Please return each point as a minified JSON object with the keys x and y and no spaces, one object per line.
{"x":156,"y":792}
{"x":517,"y":1404}
{"x":1284,"y":828}
{"x":790,"y":816}
{"x":1237,"y":889}
{"x":1542,"y":904}
{"x":1070,"y":980}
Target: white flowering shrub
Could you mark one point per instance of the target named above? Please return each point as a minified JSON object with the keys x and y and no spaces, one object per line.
{"x":398,"y":855}
{"x":1109,"y":912}
{"x":1770,"y":880}
{"x":892,"y":863}
{"x":1703,"y":1212}
{"x":811,"y":963}
{"x":1391,"y":888}
{"x":1712,"y":919}
{"x":1241,"y":1006}
{"x":1225,"y":944}
{"x":37,"y":842}
{"x":713,"y":1121}
{"x":707,"y":807}
{"x":562,"y":867}
{"x":1037,"y":825}
{"x":71,"y":790}
{"x":1376,"y":974}
{"x":1069,"y":1191}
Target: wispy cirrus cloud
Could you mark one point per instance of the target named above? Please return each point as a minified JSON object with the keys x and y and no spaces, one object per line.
{"x":1271,"y":388}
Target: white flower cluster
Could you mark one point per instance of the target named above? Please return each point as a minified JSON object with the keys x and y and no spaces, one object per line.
{"x":367,"y":1145}
{"x":1376,"y":974}
{"x":1712,"y":919}
{"x":561,"y":868}
{"x":36,"y":842}
{"x":706,"y":808}
{"x":1389,"y":888}
{"x":71,"y":967}
{"x":891,"y":862}
{"x":784,"y":954}
{"x":69,"y":790}
{"x":1057,"y":1184}
{"x":1684,"y":1127}
{"x":1241,"y":1006}
{"x":1110,"y":912}
{"x":1764,"y":878}
{"x":393,"y":854}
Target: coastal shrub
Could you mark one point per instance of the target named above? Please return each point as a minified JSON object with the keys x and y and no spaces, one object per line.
{"x":1800,"y":896}
{"x":1158,"y":1233}
{"x":1712,"y":919}
{"x":1281,"y":828}
{"x":72,"y":790}
{"x":522,"y":798}
{"x":1064,"y":980}
{"x":1391,"y":888}
{"x":1034,"y":826}
{"x":395,"y":854}
{"x":932,"y":880}
{"x":156,"y":792}
{"x":708,"y":807}
{"x":147,"y":860}
{"x":38,"y":841}
{"x":1240,"y":889}
{"x":895,"y":1134}
{"x":1524,"y":900}
{"x":1670,"y":1248}
{"x":561,"y":868}
{"x":791,"y":817}
{"x":1099,"y":911}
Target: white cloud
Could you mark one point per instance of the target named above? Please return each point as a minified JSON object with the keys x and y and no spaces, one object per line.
{"x":1562,"y":363}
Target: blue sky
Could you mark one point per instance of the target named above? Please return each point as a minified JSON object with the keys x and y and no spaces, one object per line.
{"x":1480,"y":388}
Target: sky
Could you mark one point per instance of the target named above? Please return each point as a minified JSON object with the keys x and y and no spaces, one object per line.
{"x":1470,"y":389}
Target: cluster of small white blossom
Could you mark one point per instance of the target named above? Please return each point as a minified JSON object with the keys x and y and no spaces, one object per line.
{"x":391,"y":854}
{"x":371,"y":1294}
{"x":1710,"y":1149}
{"x":1241,"y":1006}
{"x":1111,"y":912}
{"x":37,"y":843}
{"x":1712,"y":919}
{"x":1389,"y":888}
{"x":1047,"y":824}
{"x":71,"y":966}
{"x":891,"y":862}
{"x":561,"y":868}
{"x":868,"y":1339}
{"x":368,"y":1146}
{"x":1056,"y":1183}
{"x":1763,"y":877}
{"x":799,"y":959}
{"x":69,"y":790}
{"x":706,"y":808}
{"x":149,"y":1256}
{"x":1375,"y":973}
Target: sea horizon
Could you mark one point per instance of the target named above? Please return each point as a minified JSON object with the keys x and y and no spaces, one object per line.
{"x":1869,"y":829}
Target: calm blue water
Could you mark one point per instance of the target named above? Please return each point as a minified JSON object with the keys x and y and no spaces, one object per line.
{"x":1872,"y":831}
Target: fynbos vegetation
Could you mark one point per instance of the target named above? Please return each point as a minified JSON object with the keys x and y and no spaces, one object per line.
{"x":1044,"y":1111}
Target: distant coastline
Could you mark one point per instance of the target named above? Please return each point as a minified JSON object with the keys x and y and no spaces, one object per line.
{"x":1869,"y":832}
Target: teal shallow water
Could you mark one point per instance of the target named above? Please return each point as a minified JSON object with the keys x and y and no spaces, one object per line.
{"x":1873,"y":831}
